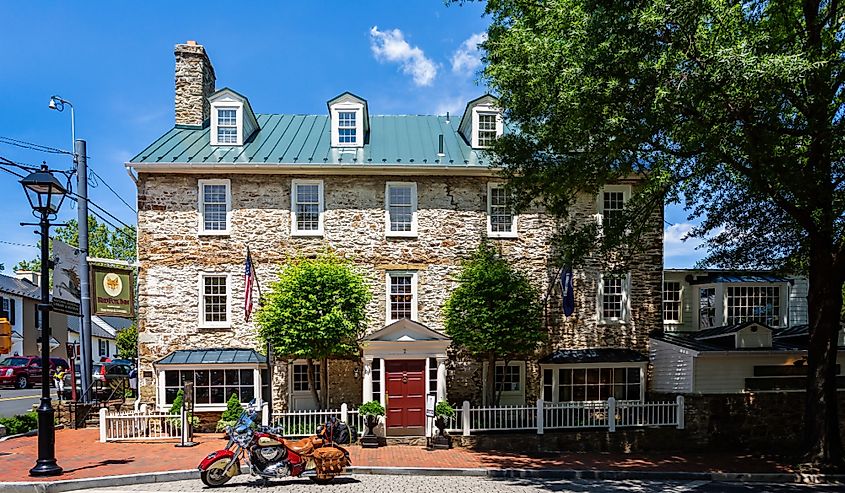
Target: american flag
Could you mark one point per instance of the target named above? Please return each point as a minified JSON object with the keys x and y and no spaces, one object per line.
{"x":249,"y":280}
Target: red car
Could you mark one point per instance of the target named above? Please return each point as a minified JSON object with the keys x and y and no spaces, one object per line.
{"x":23,"y":371}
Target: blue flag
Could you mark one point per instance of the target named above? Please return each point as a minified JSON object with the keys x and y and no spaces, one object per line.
{"x":567,"y":291}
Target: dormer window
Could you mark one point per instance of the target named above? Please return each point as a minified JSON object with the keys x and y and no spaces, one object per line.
{"x":347,"y":129}
{"x":227,"y":125}
{"x":482,"y":122}
{"x":349,"y":120}
{"x":232,"y":119}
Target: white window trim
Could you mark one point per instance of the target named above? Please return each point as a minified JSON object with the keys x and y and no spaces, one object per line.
{"x":485,"y":110}
{"x":301,"y":362}
{"x":507,"y":393}
{"x":414,"y":300}
{"x":161,"y":399}
{"x":513,"y":233}
{"x":626,"y":196}
{"x":201,"y":210}
{"x":783,"y":298}
{"x":626,"y":301}
{"x":414,"y":206}
{"x":566,"y":366}
{"x":320,"y":231}
{"x":719,"y":299}
{"x":681,"y":294}
{"x":239,"y":113}
{"x":358,"y":109}
{"x":201,"y":290}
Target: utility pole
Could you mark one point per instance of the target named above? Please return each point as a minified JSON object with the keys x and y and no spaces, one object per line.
{"x":80,"y":155}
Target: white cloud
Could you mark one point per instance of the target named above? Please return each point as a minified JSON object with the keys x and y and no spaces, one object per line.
{"x":675,"y":242}
{"x":467,"y":58}
{"x":391,"y":46}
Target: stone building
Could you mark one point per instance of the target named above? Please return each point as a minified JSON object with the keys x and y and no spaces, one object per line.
{"x":406,"y":198}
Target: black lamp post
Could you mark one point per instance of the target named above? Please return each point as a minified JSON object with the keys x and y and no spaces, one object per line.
{"x":45,"y":194}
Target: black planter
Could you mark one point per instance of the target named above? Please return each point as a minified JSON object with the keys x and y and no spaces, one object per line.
{"x":441,"y":440}
{"x":370,"y":440}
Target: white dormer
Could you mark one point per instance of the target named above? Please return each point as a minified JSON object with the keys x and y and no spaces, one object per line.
{"x":232,"y":118}
{"x":482,"y":122}
{"x":350,"y":120}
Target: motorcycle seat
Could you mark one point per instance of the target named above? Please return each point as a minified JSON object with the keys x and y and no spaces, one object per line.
{"x":303,"y":446}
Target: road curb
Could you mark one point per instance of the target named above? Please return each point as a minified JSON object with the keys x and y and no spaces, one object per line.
{"x":589,"y":474}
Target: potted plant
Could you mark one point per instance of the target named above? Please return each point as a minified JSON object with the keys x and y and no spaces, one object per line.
{"x":371,"y":411}
{"x":442,"y":411}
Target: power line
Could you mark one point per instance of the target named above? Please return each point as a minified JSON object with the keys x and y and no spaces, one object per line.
{"x":104,"y":182}
{"x":29,"y":145}
{"x":18,"y":244}
{"x":75,"y":197}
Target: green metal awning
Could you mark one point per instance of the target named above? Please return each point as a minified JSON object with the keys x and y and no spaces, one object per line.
{"x":217,"y":356}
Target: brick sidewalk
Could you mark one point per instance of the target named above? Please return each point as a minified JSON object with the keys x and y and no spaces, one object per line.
{"x":81,"y":455}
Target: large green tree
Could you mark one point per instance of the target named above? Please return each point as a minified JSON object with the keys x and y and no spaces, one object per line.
{"x":103,"y":242}
{"x":733,"y":108}
{"x":315,"y":311}
{"x":494,"y":313}
{"x":126,"y":342}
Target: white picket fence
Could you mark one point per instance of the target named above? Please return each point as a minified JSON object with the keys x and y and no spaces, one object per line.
{"x":609,"y":414}
{"x":139,"y":425}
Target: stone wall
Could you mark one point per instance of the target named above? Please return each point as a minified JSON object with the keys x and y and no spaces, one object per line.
{"x":451,"y":224}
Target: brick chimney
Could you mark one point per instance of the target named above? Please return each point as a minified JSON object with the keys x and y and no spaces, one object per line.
{"x":194,"y":83}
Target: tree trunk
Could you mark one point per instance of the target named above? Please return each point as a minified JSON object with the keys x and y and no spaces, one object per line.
{"x":324,"y":382}
{"x":490,"y":387}
{"x":311,"y":382}
{"x":822,"y":441}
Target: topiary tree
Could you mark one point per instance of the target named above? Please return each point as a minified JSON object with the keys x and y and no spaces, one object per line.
{"x":494,"y":313}
{"x":232,"y":413}
{"x":315,"y":311}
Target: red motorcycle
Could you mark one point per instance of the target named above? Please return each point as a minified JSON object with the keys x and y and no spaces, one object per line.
{"x":269,"y":455}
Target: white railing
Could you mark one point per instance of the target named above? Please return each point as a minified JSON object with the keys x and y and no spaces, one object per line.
{"x":608,"y":415}
{"x":139,"y":426}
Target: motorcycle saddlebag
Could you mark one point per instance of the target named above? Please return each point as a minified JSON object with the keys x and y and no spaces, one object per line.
{"x":329,"y":461}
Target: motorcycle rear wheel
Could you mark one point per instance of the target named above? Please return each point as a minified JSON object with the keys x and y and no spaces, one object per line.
{"x":214,"y":476}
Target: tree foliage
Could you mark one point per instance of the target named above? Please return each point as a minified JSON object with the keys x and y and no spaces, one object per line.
{"x":315,"y":311}
{"x":126,"y":342}
{"x":734,"y":109}
{"x":233,"y":412}
{"x":103,"y":242}
{"x":495,"y":313}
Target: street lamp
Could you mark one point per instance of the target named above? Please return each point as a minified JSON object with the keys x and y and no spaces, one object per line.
{"x":45,"y":194}
{"x":58,"y":104}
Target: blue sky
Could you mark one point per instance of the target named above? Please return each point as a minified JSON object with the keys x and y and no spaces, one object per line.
{"x":114,"y":62}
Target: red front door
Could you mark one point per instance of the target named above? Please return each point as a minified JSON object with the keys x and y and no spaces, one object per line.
{"x":405,"y":397}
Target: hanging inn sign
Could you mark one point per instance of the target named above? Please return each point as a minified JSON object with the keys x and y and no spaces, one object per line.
{"x":112,"y":292}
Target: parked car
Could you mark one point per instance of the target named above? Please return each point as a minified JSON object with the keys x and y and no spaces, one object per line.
{"x":108,"y":381}
{"x":24,"y":371}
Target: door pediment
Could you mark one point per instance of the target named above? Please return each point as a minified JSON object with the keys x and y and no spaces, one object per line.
{"x":406,"y":331}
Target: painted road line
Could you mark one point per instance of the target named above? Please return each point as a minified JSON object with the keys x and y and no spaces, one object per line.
{"x":4,"y":399}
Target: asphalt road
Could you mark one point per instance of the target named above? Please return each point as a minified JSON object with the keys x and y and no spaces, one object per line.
{"x":429,"y":484}
{"x":14,"y":401}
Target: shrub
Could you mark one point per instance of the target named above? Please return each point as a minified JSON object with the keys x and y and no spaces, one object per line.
{"x":444,"y":410}
{"x":176,"y":408}
{"x":372,"y":408}
{"x":231,"y":414}
{"x":21,"y":423}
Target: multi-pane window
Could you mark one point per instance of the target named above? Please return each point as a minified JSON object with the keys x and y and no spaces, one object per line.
{"x":613,"y":203}
{"x":227,"y":126}
{"x":102,"y":347}
{"x":307,"y":207}
{"x":507,"y":378}
{"x":211,"y":386}
{"x":754,"y":303}
{"x":346,"y":127}
{"x":214,"y":205}
{"x":375,"y":370}
{"x":300,"y":378}
{"x":215,"y":299}
{"x":401,"y":290}
{"x":401,"y":208}
{"x":597,"y":384}
{"x":500,"y":211}
{"x":671,"y":301}
{"x":706,"y":307}
{"x":432,"y":376}
{"x":486,"y":129}
{"x":613,"y":297}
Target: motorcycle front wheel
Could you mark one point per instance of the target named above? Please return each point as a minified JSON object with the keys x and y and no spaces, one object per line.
{"x":214,"y":475}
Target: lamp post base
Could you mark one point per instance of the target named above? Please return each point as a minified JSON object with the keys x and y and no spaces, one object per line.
{"x":45,"y":467}
{"x":46,"y":464}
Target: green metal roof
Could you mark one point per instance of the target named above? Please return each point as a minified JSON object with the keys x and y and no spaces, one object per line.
{"x":305,"y":140}
{"x":213,"y":356}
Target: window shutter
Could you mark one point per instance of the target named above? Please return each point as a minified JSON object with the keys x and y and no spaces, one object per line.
{"x":12,"y":304}
{"x":3,"y":313}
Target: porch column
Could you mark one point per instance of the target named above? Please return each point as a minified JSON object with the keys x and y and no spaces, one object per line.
{"x":368,"y":378}
{"x":441,"y":379}
{"x":256,"y":386}
{"x":161,"y":399}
